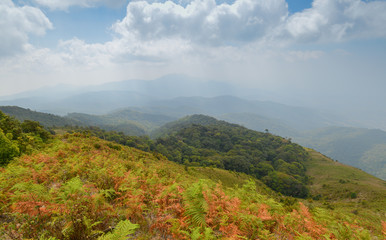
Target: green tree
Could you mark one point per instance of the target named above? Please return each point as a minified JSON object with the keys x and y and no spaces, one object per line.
{"x":8,"y":150}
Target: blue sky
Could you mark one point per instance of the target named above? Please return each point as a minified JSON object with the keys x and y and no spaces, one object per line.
{"x":303,"y":50}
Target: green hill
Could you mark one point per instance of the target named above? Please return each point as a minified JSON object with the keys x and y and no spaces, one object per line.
{"x":75,"y":186}
{"x":204,"y":141}
{"x":81,"y":187}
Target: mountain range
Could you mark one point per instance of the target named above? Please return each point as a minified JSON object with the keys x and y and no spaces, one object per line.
{"x":139,"y":107}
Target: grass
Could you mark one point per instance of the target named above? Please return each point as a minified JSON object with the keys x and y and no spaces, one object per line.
{"x":346,"y":189}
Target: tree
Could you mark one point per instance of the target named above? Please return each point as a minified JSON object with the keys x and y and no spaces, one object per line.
{"x":8,"y":150}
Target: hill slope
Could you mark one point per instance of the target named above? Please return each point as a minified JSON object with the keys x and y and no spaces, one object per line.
{"x":77,"y":187}
{"x":205,"y":141}
{"x":358,"y":147}
{"x":340,"y":186}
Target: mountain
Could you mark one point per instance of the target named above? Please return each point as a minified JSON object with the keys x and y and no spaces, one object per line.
{"x":81,"y":187}
{"x":125,"y":120}
{"x":260,"y":123}
{"x":288,"y":116}
{"x":89,"y":102}
{"x":173,"y":95}
{"x":46,"y":119}
{"x":204,"y":141}
{"x":100,"y":99}
{"x":172,"y":86}
{"x":358,"y":147}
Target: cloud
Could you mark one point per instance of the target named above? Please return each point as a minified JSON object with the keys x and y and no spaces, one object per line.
{"x":16,"y":23}
{"x":202,"y":21}
{"x":247,"y":39}
{"x":338,"y":20}
{"x":65,"y":4}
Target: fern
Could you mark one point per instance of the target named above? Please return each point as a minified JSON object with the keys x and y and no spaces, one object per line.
{"x":121,"y":231}
{"x":196,"y":234}
{"x":47,"y":238}
{"x":29,"y":187}
{"x":72,"y":186}
{"x":196,"y":206}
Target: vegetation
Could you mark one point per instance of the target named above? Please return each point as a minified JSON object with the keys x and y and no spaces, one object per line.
{"x":345,"y":188}
{"x":275,"y":160}
{"x":82,"y":187}
{"x":17,"y":138}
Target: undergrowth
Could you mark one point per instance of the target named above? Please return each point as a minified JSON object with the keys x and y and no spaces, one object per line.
{"x":86,"y":188}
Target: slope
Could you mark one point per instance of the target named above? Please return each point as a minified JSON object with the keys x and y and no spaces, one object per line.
{"x":358,"y":147}
{"x":205,"y":141}
{"x":343,"y":187}
{"x":78,"y":187}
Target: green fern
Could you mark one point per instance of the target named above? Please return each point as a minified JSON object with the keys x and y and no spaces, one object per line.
{"x":47,"y":238}
{"x":121,"y":231}
{"x":196,"y":206}
{"x":32,"y":188}
{"x":72,"y":186}
{"x":197,"y":234}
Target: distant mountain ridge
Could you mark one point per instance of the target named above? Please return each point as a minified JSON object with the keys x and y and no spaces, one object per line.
{"x":138,"y":107}
{"x":359,"y":147}
{"x":46,"y":119}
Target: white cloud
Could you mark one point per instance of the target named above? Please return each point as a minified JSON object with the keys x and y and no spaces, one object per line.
{"x":227,"y":41}
{"x":338,"y":20}
{"x":250,"y":21}
{"x":16,"y":23}
{"x":202,"y":21}
{"x":65,"y":4}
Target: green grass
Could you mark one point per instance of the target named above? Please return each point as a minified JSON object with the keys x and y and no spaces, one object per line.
{"x":346,"y":189}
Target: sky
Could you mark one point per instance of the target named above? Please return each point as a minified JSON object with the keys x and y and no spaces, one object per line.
{"x":321,"y":52}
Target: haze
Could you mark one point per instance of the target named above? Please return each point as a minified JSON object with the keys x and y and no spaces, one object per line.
{"x":325,"y":54}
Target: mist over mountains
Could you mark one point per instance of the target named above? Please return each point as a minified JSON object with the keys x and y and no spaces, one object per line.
{"x":138,"y":107}
{"x":175,"y":95}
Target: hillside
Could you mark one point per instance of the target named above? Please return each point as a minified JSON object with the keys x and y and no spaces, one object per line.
{"x":204,"y":141}
{"x":75,"y":186}
{"x":358,"y":147}
{"x":345,"y":188}
{"x":80,"y":187}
